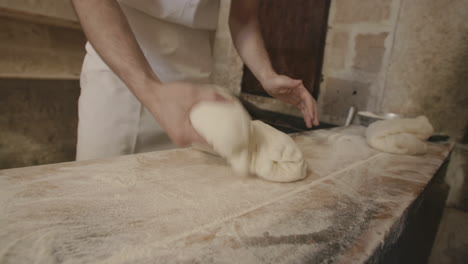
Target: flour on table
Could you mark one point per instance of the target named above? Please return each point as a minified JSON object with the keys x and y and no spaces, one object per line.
{"x":400,"y":136}
{"x":249,"y":147}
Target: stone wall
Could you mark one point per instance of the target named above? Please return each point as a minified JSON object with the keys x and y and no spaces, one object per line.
{"x":402,"y":56}
{"x":357,"y":50}
{"x":428,"y":70}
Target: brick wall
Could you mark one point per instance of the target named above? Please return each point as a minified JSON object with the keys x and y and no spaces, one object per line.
{"x":402,"y":56}
{"x":357,"y":51}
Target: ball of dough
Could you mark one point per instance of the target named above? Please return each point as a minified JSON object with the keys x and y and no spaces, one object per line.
{"x":226,"y":127}
{"x":249,"y":147}
{"x":274,"y":155}
{"x":400,"y":136}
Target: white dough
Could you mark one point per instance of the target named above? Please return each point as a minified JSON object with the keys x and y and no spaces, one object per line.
{"x":400,"y":136}
{"x":226,"y":127}
{"x":275,"y":156}
{"x":250,"y":147}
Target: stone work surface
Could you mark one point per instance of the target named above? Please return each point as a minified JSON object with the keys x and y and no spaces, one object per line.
{"x":185,"y":206}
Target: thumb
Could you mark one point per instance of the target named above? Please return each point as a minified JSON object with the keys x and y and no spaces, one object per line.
{"x":295,"y":83}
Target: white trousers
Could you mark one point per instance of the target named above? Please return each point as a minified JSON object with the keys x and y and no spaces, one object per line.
{"x":112,"y":121}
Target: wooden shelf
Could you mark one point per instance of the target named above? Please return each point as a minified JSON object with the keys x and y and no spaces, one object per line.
{"x":39,"y":18}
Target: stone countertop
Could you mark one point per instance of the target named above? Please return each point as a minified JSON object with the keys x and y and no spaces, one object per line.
{"x":188,"y":206}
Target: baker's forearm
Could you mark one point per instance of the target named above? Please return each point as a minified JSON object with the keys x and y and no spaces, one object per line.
{"x":247,"y":38}
{"x":108,"y":31}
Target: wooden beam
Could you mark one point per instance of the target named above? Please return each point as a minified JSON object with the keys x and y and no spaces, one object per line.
{"x":38,"y":18}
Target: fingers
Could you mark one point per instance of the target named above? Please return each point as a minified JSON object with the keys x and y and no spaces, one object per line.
{"x":316,"y":118}
{"x":306,"y":116}
{"x":307,"y":104}
{"x":311,"y":107}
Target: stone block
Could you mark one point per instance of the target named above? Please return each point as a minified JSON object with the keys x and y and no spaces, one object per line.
{"x":356,"y":11}
{"x":337,"y":50}
{"x":370,"y":51}
{"x":339,"y":95}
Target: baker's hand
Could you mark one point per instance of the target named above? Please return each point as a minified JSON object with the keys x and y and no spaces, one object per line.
{"x":293,"y":92}
{"x":172,"y":104}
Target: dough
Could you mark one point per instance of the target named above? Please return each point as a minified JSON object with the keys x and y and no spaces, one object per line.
{"x":226,"y":127}
{"x":250,"y":147}
{"x":274,"y":155}
{"x":400,"y":136}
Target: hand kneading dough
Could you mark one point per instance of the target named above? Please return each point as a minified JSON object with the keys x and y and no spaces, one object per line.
{"x":226,"y":127}
{"x":400,"y":136}
{"x":248,"y":146}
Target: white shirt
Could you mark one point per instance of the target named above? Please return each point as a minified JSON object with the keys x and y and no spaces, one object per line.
{"x":175,"y":36}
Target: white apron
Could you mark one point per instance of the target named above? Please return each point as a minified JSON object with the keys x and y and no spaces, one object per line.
{"x":175,"y":36}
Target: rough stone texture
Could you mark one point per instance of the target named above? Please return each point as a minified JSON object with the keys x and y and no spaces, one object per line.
{"x":355,"y":11}
{"x":227,"y":70}
{"x":428,"y":73}
{"x":185,"y":206}
{"x":38,"y":122}
{"x":370,"y":50}
{"x":414,"y":61}
{"x":340,"y":95}
{"x":367,"y":27}
{"x":31,"y":50}
{"x":338,"y":50}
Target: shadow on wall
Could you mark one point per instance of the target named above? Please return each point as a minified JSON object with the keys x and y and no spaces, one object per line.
{"x":38,"y":121}
{"x":447,"y":107}
{"x":428,"y":72}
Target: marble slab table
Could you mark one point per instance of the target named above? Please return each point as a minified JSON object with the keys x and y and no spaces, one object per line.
{"x":185,"y":206}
